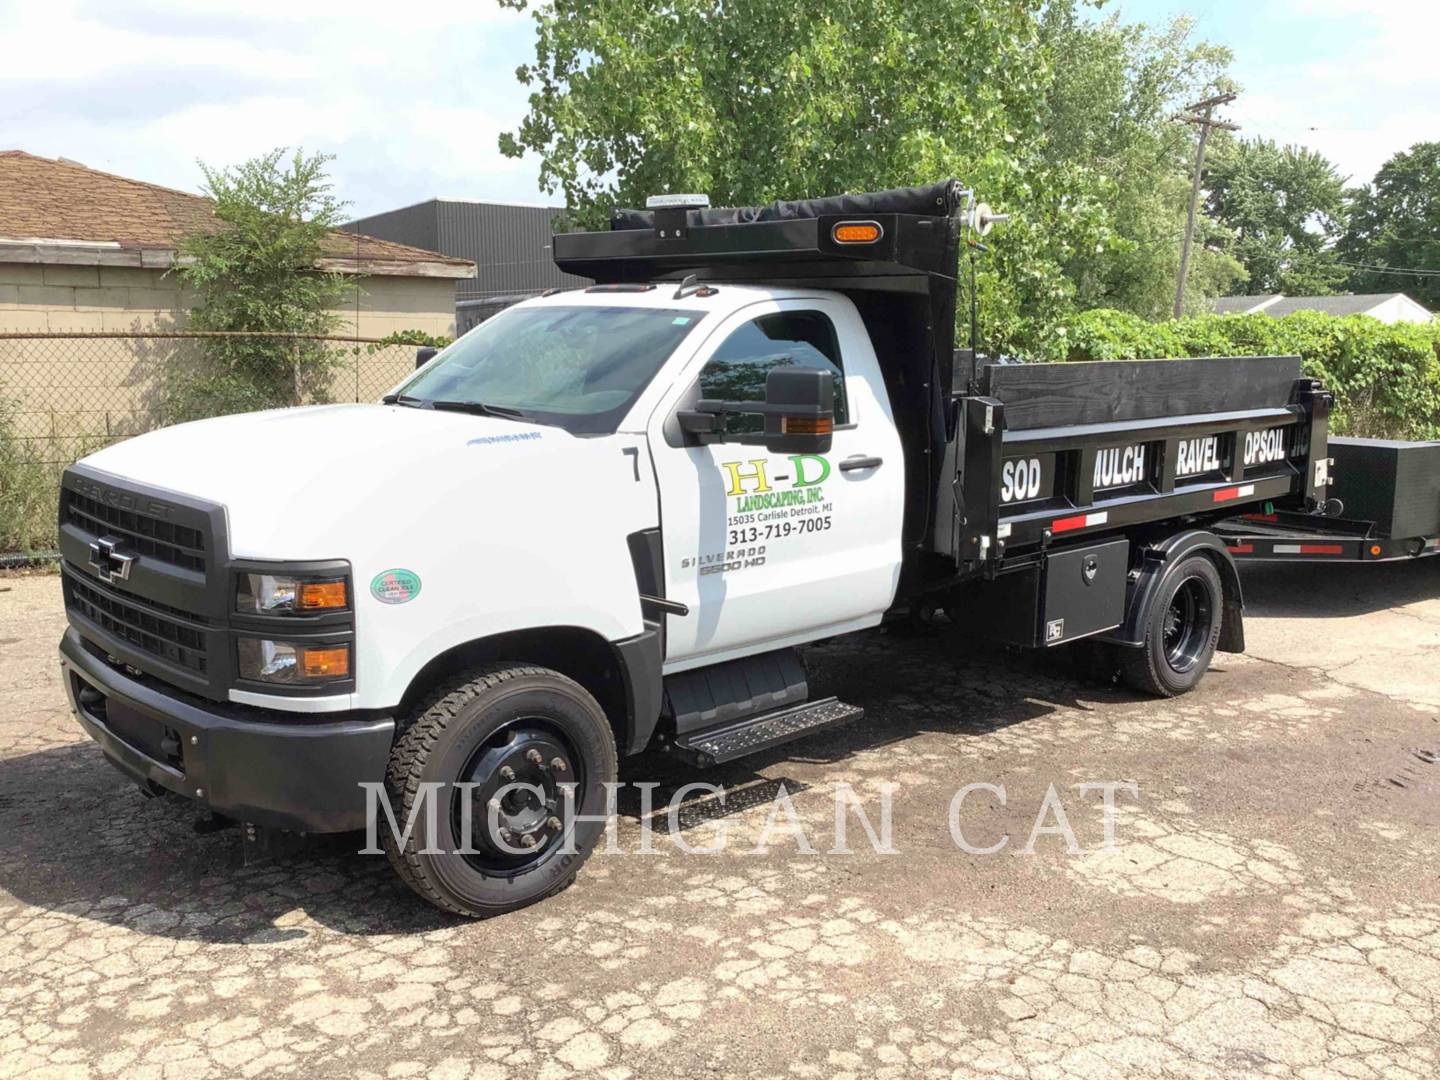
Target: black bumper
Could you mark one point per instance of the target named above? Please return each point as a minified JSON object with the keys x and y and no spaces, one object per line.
{"x":283,"y":770}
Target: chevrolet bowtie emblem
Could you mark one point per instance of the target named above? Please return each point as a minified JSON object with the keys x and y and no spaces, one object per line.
{"x":108,"y":561}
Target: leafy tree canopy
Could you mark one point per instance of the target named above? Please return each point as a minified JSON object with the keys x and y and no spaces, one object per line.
{"x":1282,"y":206}
{"x":1395,"y":223}
{"x":256,"y":273}
{"x":755,"y":101}
{"x":1114,"y":90}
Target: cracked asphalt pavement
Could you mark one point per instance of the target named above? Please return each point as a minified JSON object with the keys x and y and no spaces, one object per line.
{"x":1270,"y":906}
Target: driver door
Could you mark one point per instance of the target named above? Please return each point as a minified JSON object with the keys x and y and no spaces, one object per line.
{"x":765,"y":549}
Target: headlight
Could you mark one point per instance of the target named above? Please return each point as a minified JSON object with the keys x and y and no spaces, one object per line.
{"x":292,"y":663}
{"x":288,"y":594}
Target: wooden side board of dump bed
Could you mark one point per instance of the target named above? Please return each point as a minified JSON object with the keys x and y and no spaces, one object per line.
{"x":1097,"y":392}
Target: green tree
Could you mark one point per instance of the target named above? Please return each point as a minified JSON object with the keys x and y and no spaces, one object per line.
{"x":1395,"y":227}
{"x":753,"y":101}
{"x":1284,"y":206}
{"x":1115,"y":88}
{"x":256,"y":273}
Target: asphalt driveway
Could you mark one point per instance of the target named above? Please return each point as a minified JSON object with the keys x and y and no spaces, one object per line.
{"x":1270,"y":905}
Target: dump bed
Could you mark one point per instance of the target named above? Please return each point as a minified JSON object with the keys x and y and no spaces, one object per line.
{"x":1046,"y":452}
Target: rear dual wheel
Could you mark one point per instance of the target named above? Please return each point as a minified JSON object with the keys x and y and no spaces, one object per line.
{"x":503,"y":743}
{"x":1182,"y":629}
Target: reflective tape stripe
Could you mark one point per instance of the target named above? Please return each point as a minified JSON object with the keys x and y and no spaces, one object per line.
{"x":1079,"y":521}
{"x":1241,"y":492}
{"x":1308,"y":549}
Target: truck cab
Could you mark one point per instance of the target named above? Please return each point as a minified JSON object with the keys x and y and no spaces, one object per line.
{"x":607,"y":518}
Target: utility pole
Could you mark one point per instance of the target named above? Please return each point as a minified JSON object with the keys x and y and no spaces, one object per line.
{"x":1193,"y":115}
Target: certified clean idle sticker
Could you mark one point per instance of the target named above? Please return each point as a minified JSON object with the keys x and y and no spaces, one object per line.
{"x":395,"y":586}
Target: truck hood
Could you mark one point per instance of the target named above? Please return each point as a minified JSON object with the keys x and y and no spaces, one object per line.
{"x":296,"y":482}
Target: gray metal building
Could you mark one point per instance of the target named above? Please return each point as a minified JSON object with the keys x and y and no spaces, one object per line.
{"x":509,"y":244}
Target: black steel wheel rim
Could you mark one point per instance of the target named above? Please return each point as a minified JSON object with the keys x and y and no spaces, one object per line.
{"x":519,"y":773}
{"x":1187,"y":625}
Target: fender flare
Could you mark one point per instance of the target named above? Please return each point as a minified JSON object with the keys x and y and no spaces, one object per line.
{"x":1156,"y":563}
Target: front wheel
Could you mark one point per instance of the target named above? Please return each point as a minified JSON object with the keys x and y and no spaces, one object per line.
{"x":1182,"y":629}
{"x":496,"y":750}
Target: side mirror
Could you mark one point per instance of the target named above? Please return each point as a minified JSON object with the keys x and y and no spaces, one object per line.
{"x":424,"y":355}
{"x":800,"y":416}
{"x":799,"y":413}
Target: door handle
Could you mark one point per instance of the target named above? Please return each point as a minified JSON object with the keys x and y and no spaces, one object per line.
{"x":861,"y":462}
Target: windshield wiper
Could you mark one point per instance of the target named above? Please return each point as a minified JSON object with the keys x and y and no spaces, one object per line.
{"x":479,"y":408}
{"x":402,"y":399}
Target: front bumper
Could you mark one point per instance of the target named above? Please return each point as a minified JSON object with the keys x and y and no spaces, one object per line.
{"x":270,"y":768}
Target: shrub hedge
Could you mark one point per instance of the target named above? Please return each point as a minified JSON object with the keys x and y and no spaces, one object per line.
{"x":1386,"y":378}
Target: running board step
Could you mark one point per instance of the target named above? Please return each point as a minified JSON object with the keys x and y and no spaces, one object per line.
{"x":726,"y":742}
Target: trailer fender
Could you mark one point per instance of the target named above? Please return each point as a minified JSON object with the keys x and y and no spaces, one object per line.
{"x":1156,"y":562}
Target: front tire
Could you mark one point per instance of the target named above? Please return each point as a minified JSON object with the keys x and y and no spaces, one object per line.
{"x":1182,"y":629}
{"x":519,"y":734}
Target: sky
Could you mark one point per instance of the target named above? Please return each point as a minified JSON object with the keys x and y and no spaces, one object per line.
{"x":411,"y":97}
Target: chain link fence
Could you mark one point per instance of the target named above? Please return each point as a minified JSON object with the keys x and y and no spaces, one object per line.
{"x":64,"y":395}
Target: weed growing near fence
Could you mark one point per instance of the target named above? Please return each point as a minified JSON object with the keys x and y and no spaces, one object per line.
{"x":29,"y":490}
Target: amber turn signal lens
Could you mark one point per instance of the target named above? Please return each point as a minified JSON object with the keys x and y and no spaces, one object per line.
{"x":807,"y":425}
{"x":856,"y":232}
{"x":328,"y":662}
{"x":322,"y":595}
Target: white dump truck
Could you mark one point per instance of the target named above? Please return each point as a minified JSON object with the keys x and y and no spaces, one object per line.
{"x":607,"y":518}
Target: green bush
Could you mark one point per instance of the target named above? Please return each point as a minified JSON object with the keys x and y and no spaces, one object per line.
{"x":1386,"y":378}
{"x":29,"y":491}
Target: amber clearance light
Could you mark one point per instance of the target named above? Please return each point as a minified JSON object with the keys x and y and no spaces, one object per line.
{"x":857,"y":232}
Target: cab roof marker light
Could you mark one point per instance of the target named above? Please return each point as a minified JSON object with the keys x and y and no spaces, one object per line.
{"x":857,"y":232}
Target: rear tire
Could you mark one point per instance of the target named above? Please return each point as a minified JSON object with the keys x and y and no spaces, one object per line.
{"x":497,"y":727}
{"x":1182,"y":629}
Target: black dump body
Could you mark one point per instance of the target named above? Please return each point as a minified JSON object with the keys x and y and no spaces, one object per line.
{"x":1106,"y":448}
{"x":1050,"y":453}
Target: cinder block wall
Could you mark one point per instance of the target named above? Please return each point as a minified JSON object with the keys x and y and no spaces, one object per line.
{"x":89,"y":298}
{"x":117,"y":298}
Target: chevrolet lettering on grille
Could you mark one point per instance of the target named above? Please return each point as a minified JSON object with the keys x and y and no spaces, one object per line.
{"x":108,"y":561}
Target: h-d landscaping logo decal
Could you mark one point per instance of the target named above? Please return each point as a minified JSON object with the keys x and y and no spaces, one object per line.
{"x":769,"y":506}
{"x":395,"y":586}
{"x":748,"y":481}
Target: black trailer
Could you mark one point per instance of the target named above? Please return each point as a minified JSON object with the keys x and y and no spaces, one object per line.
{"x":1051,"y":502}
{"x":1384,"y":507}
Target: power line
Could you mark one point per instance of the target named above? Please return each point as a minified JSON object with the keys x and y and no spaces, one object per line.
{"x":1402,"y":271}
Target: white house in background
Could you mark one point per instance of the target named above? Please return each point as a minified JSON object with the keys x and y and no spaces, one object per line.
{"x":1387,"y":307}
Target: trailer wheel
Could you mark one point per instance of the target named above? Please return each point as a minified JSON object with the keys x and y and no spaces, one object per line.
{"x":520,"y":735}
{"x":1182,"y":629}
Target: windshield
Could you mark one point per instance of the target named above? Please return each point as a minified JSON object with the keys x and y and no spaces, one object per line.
{"x":578,"y":368}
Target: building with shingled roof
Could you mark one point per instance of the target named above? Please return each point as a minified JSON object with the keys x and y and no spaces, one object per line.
{"x":85,"y":250}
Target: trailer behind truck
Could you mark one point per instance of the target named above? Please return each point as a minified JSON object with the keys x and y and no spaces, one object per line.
{"x":608,"y":519}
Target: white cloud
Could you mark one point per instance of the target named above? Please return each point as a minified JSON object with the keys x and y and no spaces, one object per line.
{"x":410,"y":99}
{"x":1357,"y":81}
